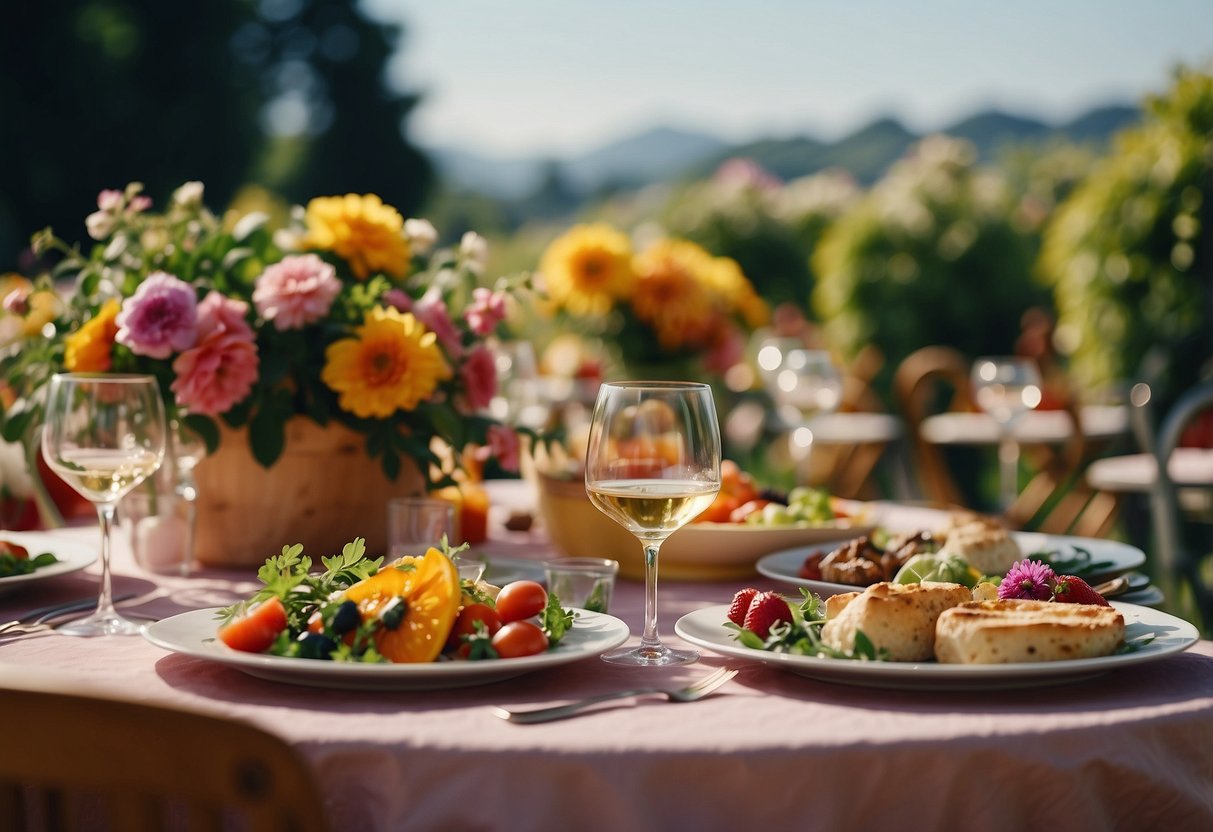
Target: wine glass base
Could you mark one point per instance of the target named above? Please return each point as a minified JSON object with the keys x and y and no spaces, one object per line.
{"x":659,"y":656}
{"x":103,"y":624}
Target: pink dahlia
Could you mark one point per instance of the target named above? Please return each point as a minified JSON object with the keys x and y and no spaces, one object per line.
{"x":479,"y":374}
{"x":160,"y":318}
{"x":486,"y":311}
{"x":297,"y":291}
{"x":222,"y":369}
{"x":1028,"y":579}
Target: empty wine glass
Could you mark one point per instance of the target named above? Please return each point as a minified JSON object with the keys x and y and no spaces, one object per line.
{"x":104,"y":434}
{"x":1006,"y":387}
{"x":653,"y":465}
{"x":806,"y":385}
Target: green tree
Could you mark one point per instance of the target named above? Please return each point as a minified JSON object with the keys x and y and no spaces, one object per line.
{"x":97,"y":93}
{"x":1130,"y":253}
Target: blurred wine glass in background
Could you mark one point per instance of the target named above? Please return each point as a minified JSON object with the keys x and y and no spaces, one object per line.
{"x":1006,"y":387}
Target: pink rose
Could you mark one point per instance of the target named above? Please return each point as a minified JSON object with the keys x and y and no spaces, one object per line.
{"x":431,"y":310}
{"x":222,"y":369}
{"x":479,"y":374}
{"x":486,"y":311}
{"x":160,"y":318}
{"x":504,"y":446}
{"x":296,"y":291}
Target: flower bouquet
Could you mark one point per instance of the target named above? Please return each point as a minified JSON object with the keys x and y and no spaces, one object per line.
{"x":671,"y":304}
{"x":347,"y":316}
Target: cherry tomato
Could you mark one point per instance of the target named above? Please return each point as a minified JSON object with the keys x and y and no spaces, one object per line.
{"x":255,"y":631}
{"x":465,"y":624}
{"x":746,"y":509}
{"x":521,"y":599}
{"x":519,"y":638}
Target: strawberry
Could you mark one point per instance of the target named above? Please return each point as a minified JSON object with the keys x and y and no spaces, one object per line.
{"x":1073,"y":590}
{"x":766,"y":610}
{"x":741,"y":603}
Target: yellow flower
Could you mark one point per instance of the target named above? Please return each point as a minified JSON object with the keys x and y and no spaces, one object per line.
{"x":673,"y":294}
{"x":87,"y":350}
{"x":393,"y":363}
{"x":362,"y":230}
{"x":588,"y":268}
{"x":728,"y":278}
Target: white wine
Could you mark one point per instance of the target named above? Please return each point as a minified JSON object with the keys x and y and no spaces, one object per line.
{"x":652,"y":507}
{"x":103,"y":475}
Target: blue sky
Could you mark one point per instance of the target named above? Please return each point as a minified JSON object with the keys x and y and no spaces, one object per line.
{"x":512,"y":77}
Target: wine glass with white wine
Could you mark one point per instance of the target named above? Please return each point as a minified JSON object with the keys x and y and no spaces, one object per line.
{"x":1006,"y":387}
{"x":104,"y":434}
{"x":653,"y":465}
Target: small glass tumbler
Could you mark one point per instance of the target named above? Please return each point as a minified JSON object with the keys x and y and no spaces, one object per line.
{"x":159,"y":528}
{"x":585,"y":583}
{"x":416,"y":523}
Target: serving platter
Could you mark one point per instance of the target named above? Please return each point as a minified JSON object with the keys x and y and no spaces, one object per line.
{"x":785,"y":564}
{"x":1170,"y":635}
{"x":193,"y":634}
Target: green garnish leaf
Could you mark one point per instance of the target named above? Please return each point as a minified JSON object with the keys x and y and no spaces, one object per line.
{"x":555,"y":621}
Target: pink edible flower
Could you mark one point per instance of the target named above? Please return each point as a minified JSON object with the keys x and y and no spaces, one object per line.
{"x":479,"y":374}
{"x":398,"y":299}
{"x":486,"y":310}
{"x":1028,"y":580}
{"x":160,"y":318}
{"x":297,"y":291}
{"x":222,"y":369}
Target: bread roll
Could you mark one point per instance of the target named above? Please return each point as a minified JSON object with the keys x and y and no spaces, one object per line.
{"x":998,"y":632}
{"x":896,"y":618}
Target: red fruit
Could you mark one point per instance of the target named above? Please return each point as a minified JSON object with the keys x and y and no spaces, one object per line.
{"x":1072,"y":590}
{"x":741,"y":605}
{"x":766,"y":610}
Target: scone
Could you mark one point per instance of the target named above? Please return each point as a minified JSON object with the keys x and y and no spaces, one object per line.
{"x":999,"y":632}
{"x":988,"y":548}
{"x":896,"y":618}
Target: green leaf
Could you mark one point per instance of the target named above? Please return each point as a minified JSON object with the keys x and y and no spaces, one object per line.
{"x":206,"y":429}
{"x":267,"y":434}
{"x":17,"y":420}
{"x":555,"y":621}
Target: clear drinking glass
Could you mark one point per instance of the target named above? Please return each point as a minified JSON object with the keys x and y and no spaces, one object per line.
{"x":1006,"y":387}
{"x":653,"y":465}
{"x":806,"y":385}
{"x":104,"y":434}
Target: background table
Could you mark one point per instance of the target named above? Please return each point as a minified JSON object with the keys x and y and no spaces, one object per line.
{"x":1131,"y":748}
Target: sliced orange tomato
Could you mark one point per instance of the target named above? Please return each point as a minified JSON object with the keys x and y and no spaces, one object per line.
{"x":255,"y":631}
{"x":429,"y":586}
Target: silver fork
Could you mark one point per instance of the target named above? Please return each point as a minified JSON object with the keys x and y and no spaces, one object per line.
{"x":690,"y":693}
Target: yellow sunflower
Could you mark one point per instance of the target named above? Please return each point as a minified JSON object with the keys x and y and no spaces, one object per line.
{"x":88,"y":349}
{"x":728,"y":278}
{"x":362,"y":230}
{"x":392,"y":363}
{"x":672,"y":294}
{"x":588,"y":268}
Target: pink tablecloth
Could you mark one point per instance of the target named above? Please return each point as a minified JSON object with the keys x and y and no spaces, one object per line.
{"x":1131,"y":749}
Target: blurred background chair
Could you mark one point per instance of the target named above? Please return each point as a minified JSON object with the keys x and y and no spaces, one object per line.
{"x":70,"y":757}
{"x":1182,"y":539}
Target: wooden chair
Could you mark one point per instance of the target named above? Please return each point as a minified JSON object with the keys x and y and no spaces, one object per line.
{"x":1179,"y":554}
{"x":73,"y":760}
{"x":931,"y":380}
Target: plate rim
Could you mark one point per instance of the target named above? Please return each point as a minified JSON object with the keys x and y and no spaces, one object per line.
{"x":77,"y":555}
{"x":1134,"y":559}
{"x":347,"y":674}
{"x":899,"y":674}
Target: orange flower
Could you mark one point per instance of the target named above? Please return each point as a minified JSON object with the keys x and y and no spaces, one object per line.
{"x":672,"y":295}
{"x":88,"y":349}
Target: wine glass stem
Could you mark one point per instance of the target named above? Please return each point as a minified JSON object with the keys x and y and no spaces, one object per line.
{"x":105,"y":518}
{"x":1008,"y":458}
{"x":648,"y":639}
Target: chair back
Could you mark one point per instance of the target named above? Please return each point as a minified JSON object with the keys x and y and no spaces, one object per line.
{"x":75,"y":760}
{"x":923,"y":380}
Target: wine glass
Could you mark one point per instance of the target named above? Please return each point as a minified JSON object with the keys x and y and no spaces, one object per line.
{"x":806,"y":385}
{"x":1006,"y":387}
{"x":653,"y":465}
{"x":104,"y":434}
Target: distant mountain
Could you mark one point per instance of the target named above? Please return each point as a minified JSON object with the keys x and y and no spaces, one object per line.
{"x":667,"y":154}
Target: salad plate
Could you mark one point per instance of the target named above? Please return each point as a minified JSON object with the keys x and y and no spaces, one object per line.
{"x":72,"y":556}
{"x":193,"y":634}
{"x":705,"y":628}
{"x":1120,"y":557}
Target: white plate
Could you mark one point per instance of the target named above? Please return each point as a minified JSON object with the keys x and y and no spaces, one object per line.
{"x":193,"y":634}
{"x":706,"y":629}
{"x":785,"y":565}
{"x":73,"y":556}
